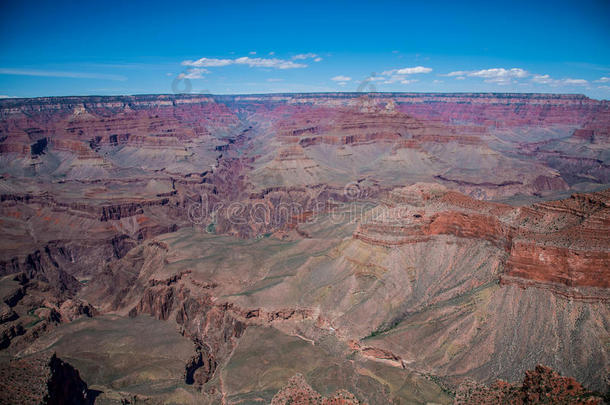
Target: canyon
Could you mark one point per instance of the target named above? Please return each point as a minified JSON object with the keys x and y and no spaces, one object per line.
{"x":331,"y":248}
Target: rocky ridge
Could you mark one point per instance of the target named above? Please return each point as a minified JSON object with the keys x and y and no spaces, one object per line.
{"x":91,"y":187}
{"x":562,"y":242}
{"x":541,"y":385}
{"x":42,"y":379}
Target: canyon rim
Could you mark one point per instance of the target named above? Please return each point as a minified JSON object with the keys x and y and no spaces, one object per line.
{"x":297,"y":203}
{"x":380,"y":248}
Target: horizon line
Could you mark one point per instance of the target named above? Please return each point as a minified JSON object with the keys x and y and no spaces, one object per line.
{"x":336,"y":93}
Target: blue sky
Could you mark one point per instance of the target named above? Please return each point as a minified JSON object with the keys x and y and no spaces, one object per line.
{"x":131,"y":47}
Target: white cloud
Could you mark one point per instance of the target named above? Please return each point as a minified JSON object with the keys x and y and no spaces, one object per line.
{"x":318,"y":59}
{"x":408,"y":71}
{"x":456,"y":73}
{"x":51,"y":73}
{"x":252,"y":53}
{"x":268,"y":63}
{"x":245,"y":60}
{"x":500,"y":73}
{"x":5,"y":96}
{"x":400,"y":80}
{"x":413,"y":70}
{"x":436,"y":81}
{"x":395,"y":79}
{"x":599,"y":87}
{"x":542,"y":79}
{"x":272,"y":79}
{"x":504,"y":76}
{"x":603,"y":80}
{"x":271,"y":53}
{"x":193,"y":73}
{"x":303,"y":56}
{"x":208,"y":62}
{"x":546,"y":79}
{"x":579,"y":82}
{"x":493,"y":75}
{"x":401,"y":75}
{"x":341,"y":79}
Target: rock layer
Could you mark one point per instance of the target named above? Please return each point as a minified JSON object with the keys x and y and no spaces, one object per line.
{"x":564,"y":242}
{"x":353,"y":231}
{"x":540,"y":386}
{"x":42,"y":379}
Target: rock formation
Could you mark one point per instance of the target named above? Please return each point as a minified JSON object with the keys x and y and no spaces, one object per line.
{"x":298,"y":392}
{"x":42,"y":379}
{"x":562,"y":242}
{"x":540,"y":386}
{"x":396,"y":245}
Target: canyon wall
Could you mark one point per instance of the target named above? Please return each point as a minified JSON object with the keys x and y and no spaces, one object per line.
{"x":426,"y":238}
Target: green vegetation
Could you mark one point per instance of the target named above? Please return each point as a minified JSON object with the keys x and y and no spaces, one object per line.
{"x":211,"y":228}
{"x":383,"y":329}
{"x":36,"y":319}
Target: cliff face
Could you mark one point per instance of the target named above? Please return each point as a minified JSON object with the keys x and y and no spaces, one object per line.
{"x":541,"y":385}
{"x":31,"y":306}
{"x":298,"y":392}
{"x":562,"y":242}
{"x":84,"y":124}
{"x":42,"y":379}
{"x":395,"y":232}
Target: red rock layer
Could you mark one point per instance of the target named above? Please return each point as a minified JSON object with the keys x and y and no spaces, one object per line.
{"x":346,"y":126}
{"x":564,"y":242}
{"x":559,"y":265}
{"x":298,"y":392}
{"x":151,"y":118}
{"x":487,"y":109}
{"x":42,"y":378}
{"x":540,"y":386}
{"x":505,"y":110}
{"x":82,"y":124}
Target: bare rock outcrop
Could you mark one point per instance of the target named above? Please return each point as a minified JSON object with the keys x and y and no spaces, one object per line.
{"x":42,"y":379}
{"x":299,"y":392}
{"x":558,"y":243}
{"x":540,"y":386}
